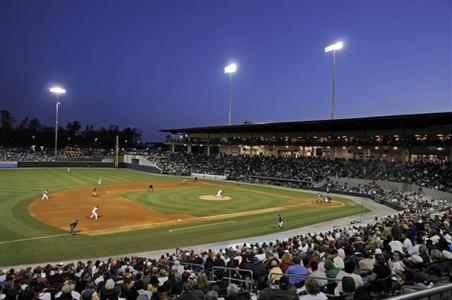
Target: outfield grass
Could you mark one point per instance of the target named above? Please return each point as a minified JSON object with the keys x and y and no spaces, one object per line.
{"x":187,"y":200}
{"x":21,"y":186}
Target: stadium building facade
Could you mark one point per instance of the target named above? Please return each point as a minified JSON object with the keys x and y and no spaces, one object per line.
{"x":397,"y":137}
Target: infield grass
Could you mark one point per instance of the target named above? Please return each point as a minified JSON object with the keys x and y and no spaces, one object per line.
{"x":19,"y":187}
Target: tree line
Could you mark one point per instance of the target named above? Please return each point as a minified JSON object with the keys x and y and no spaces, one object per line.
{"x":30,"y":131}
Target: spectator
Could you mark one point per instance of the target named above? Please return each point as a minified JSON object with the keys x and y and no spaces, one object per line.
{"x":189,"y":293}
{"x":313,"y":291}
{"x":282,"y":292}
{"x":299,"y":271}
{"x":317,"y":274}
{"x":348,"y":272}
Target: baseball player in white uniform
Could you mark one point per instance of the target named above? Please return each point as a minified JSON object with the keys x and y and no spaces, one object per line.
{"x":220,"y":194}
{"x":94,"y":212}
{"x":45,"y":195}
{"x":99,"y":181}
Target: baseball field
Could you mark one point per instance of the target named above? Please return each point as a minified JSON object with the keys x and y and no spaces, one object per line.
{"x":178,"y":213}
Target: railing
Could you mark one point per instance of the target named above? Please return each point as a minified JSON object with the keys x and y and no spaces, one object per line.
{"x":248,"y":281}
{"x":197,"y":268}
{"x":194,"y":267}
{"x":443,"y":292}
{"x":272,"y":275}
{"x":307,"y":182}
{"x":246,"y":278}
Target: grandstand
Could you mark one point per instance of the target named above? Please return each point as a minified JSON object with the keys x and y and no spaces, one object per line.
{"x":404,"y":138}
{"x":403,"y":162}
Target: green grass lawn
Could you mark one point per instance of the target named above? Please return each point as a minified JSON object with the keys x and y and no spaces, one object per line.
{"x":21,"y":186}
{"x":187,"y":200}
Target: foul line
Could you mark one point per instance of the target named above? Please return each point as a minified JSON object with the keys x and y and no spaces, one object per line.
{"x":203,"y":225}
{"x":34,"y":238}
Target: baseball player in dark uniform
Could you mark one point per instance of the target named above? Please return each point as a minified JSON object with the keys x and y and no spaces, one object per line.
{"x":73,"y":227}
{"x":280,"y":222}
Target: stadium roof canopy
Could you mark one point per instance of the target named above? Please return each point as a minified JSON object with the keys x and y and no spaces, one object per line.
{"x":413,"y":121}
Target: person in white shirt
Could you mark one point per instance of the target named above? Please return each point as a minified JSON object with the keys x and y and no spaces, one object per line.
{"x":396,"y":264}
{"x":348,"y":271}
{"x":94,"y":212}
{"x":396,"y":246}
{"x":415,"y":248}
{"x":407,"y":243}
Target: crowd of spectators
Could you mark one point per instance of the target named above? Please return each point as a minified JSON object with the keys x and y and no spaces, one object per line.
{"x":306,"y":169}
{"x":240,"y":167}
{"x":395,"y":254}
{"x":45,"y":154}
{"x":403,"y":199}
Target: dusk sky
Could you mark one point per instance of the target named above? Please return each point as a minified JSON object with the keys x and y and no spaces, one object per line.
{"x":159,"y":64}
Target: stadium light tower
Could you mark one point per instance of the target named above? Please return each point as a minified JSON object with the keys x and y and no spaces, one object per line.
{"x":230,"y":69}
{"x":333,"y":48}
{"x":57,"y":91}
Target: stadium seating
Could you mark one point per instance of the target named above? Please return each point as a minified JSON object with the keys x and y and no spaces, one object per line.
{"x":397,"y":254}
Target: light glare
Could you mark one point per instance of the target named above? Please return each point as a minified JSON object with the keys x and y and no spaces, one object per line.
{"x":229,"y":69}
{"x":334,"y":47}
{"x":57,"y":90}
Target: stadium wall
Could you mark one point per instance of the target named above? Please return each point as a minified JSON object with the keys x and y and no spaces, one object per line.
{"x":138,"y":160}
{"x":79,"y":164}
{"x":386,"y":203}
{"x":437,"y":194}
{"x":394,"y":186}
{"x":149,"y":169}
{"x":64,"y":164}
{"x":354,"y":182}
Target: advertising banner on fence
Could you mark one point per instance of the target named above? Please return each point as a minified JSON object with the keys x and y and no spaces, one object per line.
{"x":8,"y":164}
{"x":208,"y":176}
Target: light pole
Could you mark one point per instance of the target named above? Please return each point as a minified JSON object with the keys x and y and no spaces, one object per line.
{"x":57,"y":91}
{"x":334,"y":48}
{"x":230,"y":69}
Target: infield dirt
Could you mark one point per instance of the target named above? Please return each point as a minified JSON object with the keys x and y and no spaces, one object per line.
{"x":118,"y":214}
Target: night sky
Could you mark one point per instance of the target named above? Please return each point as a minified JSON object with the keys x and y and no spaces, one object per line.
{"x":159,"y":64}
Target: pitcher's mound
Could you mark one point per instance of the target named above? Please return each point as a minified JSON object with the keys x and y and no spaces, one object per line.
{"x":214,"y":198}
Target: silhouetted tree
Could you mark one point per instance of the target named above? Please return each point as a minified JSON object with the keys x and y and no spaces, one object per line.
{"x":7,"y":119}
{"x":30,"y":131}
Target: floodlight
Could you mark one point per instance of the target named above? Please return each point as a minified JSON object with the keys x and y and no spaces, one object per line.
{"x":57,"y":90}
{"x":334,"y":47}
{"x":229,"y":69}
